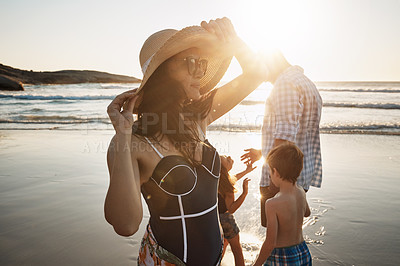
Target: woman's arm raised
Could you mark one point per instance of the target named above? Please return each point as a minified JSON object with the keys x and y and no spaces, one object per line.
{"x":254,"y":70}
{"x":123,"y":206}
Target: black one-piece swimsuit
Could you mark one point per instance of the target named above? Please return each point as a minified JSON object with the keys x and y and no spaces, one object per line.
{"x":182,"y":201}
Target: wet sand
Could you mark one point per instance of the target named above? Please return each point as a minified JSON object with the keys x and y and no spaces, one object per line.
{"x":53,"y":184}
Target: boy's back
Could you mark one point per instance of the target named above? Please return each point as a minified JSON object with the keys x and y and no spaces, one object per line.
{"x":289,"y":210}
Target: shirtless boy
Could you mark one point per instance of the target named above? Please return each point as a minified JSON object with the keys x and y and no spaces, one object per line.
{"x":284,"y":243}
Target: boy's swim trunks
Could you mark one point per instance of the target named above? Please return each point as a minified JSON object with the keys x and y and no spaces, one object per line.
{"x":294,"y":255}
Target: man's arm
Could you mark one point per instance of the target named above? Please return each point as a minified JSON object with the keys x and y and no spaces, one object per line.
{"x":272,"y":233}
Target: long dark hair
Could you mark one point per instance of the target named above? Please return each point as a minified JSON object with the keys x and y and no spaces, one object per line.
{"x":163,"y":111}
{"x":226,"y":182}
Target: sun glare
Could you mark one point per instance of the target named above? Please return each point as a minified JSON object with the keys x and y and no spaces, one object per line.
{"x":266,"y":25}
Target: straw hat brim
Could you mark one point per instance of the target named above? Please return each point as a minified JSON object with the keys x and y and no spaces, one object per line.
{"x":189,"y":37}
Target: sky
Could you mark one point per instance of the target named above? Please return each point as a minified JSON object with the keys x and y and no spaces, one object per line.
{"x":333,"y":40}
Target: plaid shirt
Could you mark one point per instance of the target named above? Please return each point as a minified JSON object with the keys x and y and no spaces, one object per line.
{"x":293,"y":113}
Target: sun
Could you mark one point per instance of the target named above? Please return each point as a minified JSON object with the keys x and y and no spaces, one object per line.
{"x":267,"y":25}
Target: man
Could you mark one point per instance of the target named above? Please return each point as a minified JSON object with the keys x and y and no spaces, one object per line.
{"x":292,"y":115}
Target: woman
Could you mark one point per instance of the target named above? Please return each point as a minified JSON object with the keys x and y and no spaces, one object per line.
{"x":164,"y":154}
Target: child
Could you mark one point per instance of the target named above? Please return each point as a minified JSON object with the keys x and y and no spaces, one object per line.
{"x":227,"y":205}
{"x":284,"y":243}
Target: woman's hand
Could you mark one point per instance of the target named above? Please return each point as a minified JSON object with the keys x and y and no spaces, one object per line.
{"x":222,"y":27}
{"x":120,"y":112}
{"x":250,"y":62}
{"x":225,"y":32}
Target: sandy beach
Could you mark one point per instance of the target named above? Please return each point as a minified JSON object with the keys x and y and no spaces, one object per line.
{"x":53,"y":184}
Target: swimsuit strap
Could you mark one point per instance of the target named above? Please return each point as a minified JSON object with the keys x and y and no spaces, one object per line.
{"x":154,"y":148}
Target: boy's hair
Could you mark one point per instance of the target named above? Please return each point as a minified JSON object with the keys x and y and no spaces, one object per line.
{"x":287,"y":159}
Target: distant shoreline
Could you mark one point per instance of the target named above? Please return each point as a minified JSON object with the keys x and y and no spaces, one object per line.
{"x":356,"y":82}
{"x":13,"y":79}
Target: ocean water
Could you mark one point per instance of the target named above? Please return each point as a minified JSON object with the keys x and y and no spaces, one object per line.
{"x":349,"y":107}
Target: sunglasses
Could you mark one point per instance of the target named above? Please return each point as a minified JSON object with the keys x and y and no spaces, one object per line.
{"x":194,"y":64}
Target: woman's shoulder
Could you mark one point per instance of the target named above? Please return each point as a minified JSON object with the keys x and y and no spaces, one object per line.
{"x":137,"y":144}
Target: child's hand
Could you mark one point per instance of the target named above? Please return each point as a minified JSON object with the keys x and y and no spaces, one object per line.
{"x":246,"y":185}
{"x":249,"y":167}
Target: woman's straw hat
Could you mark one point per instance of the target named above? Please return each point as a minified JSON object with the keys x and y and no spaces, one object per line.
{"x":166,"y":43}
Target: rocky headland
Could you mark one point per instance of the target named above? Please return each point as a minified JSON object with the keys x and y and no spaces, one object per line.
{"x":14,"y":79}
